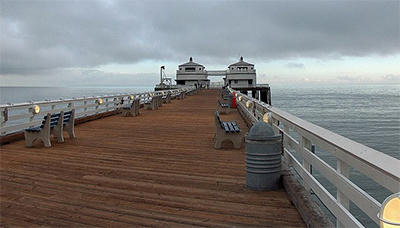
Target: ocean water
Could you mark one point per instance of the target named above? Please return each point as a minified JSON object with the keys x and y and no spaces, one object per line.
{"x":23,"y":94}
{"x":368,"y":114}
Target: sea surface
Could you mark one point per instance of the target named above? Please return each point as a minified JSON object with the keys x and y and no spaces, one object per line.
{"x":368,"y":114}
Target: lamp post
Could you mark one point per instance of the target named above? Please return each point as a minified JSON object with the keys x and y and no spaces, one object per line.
{"x":389,"y":214}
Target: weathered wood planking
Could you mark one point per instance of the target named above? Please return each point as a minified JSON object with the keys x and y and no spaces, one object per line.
{"x":158,"y":169}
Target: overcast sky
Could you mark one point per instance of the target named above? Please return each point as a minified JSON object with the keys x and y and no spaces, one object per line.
{"x":89,"y":42}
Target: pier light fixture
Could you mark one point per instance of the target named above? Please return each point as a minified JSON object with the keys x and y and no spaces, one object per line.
{"x":150,"y":94}
{"x":131,"y":97}
{"x":163,"y":93}
{"x":389,"y":214}
{"x":249,"y":104}
{"x":240,"y":98}
{"x":35,"y":109}
{"x":267,"y":117}
{"x":99,"y":101}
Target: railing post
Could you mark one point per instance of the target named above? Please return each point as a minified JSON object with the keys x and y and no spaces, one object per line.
{"x":344,"y":169}
{"x":286,"y":130}
{"x":275,"y":122}
{"x":305,"y":143}
{"x":85,"y":109}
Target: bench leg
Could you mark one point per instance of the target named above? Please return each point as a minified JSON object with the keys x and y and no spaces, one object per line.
{"x":70,"y":128}
{"x":57,"y":132}
{"x":218,"y":143}
{"x":31,"y":137}
{"x":237,"y":143}
{"x":235,"y":138}
{"x":47,"y":142}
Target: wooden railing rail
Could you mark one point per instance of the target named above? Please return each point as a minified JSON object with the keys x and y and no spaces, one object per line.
{"x":381,"y":168}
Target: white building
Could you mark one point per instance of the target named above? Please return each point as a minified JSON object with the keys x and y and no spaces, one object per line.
{"x":241,"y":74}
{"x":191,"y":73}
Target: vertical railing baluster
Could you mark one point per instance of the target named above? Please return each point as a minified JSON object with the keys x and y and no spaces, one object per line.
{"x":344,"y":169}
{"x":286,"y":156}
{"x":305,"y":143}
{"x":85,"y":109}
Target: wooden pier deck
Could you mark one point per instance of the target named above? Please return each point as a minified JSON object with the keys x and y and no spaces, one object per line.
{"x":158,"y":169}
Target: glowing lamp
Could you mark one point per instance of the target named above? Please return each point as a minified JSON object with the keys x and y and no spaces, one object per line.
{"x":248,"y":104}
{"x":99,"y":101}
{"x":35,"y":109}
{"x":131,"y":97}
{"x":389,"y":214}
{"x":240,"y":98}
{"x":163,"y":93}
{"x":267,"y":117}
{"x":150,"y":94}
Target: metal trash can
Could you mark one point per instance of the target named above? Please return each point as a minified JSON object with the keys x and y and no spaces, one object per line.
{"x":263,"y":157}
{"x":230,"y":98}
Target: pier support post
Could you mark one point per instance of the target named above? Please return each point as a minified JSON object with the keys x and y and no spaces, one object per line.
{"x":266,"y":96}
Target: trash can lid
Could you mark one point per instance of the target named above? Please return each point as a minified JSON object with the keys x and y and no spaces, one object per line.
{"x":261,"y":131}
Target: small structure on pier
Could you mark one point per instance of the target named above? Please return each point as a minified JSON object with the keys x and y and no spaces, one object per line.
{"x":191,"y":73}
{"x":241,"y":74}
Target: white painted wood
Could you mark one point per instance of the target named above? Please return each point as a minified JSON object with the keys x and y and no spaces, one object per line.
{"x":329,"y":201}
{"x":20,"y":117}
{"x":378,"y":166}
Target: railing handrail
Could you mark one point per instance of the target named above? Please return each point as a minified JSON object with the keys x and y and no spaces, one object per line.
{"x":385,"y":163}
{"x":381,"y":168}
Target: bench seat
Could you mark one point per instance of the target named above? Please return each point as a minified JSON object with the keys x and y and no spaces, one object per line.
{"x":226,"y":130}
{"x":223,"y":107}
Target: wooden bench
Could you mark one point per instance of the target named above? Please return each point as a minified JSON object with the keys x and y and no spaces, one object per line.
{"x":223,"y":107}
{"x":131,"y":110}
{"x":182,"y":95}
{"x":167,"y":98}
{"x":154,"y":103}
{"x":52,"y":124}
{"x":226,"y":130}
{"x":224,"y":94}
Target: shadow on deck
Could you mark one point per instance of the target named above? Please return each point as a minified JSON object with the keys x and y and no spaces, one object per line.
{"x":156,"y":169}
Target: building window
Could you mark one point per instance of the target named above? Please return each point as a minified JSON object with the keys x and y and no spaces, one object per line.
{"x":250,"y":81}
{"x":236,"y":81}
{"x":180,"y":68}
{"x":200,"y":68}
{"x":191,"y":69}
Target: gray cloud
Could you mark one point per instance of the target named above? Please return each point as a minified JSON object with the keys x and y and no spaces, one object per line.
{"x":44,"y":35}
{"x":390,"y":78}
{"x":295,"y":65}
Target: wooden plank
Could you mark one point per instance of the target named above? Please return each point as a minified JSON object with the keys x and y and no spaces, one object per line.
{"x":158,"y":169}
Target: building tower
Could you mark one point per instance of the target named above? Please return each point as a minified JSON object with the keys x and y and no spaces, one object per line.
{"x":241,"y":74}
{"x":191,"y":73}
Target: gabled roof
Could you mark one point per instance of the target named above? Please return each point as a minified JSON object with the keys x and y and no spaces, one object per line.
{"x":241,"y":63}
{"x":191,"y":63}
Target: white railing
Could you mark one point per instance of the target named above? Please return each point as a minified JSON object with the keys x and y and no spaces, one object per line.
{"x":299,"y":138}
{"x":16,"y":117}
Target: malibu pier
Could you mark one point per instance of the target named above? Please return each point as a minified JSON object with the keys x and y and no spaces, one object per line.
{"x":185,"y":155}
